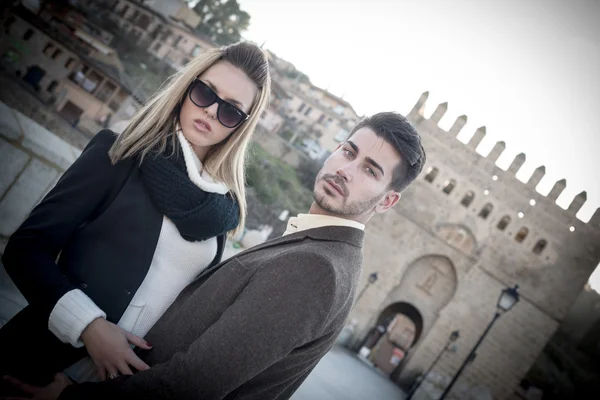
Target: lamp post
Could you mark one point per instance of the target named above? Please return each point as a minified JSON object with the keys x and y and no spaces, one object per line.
{"x":453,"y":337}
{"x":508,"y":298}
{"x":372,"y":279}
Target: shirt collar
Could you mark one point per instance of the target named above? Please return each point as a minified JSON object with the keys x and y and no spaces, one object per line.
{"x":309,"y":221}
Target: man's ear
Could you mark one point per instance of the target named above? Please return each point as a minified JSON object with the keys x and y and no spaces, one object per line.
{"x":389,"y":200}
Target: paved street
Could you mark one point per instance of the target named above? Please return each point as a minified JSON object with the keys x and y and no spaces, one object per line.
{"x":341,"y":376}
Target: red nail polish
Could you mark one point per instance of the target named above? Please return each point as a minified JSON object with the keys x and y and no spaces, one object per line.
{"x":148,"y":343}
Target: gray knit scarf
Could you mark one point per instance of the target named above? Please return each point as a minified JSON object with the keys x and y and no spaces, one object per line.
{"x":198,"y":215}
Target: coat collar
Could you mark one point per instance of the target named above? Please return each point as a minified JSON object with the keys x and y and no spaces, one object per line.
{"x":344,"y":234}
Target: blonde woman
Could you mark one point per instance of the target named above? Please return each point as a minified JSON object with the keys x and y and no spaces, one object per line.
{"x":133,"y":221}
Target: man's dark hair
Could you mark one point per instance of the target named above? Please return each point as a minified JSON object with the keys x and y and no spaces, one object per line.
{"x":397,"y":131}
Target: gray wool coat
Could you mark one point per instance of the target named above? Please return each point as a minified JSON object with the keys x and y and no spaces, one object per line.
{"x":252,"y":327}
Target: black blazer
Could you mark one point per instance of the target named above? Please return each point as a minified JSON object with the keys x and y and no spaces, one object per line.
{"x":107,"y":256}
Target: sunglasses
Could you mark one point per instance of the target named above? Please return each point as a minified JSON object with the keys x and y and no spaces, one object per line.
{"x":203,"y":96}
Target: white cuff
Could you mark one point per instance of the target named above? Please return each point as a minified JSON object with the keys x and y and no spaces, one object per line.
{"x":71,"y":315}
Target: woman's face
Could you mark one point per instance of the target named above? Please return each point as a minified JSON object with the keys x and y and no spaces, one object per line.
{"x":200,"y":125}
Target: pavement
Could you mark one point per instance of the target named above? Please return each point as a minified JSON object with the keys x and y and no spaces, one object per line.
{"x":340,"y":375}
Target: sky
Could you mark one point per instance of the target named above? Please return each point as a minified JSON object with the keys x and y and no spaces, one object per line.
{"x":528,"y":70}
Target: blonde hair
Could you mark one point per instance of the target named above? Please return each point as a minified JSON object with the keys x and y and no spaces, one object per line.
{"x":151,"y":127}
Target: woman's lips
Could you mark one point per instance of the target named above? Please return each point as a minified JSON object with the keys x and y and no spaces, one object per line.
{"x":202,"y":126}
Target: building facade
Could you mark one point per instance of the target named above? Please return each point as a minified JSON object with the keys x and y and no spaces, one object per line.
{"x":326,"y":118}
{"x":464,"y":231}
{"x":78,"y":75}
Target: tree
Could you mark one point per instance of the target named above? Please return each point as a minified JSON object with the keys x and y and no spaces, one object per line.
{"x":222,"y":20}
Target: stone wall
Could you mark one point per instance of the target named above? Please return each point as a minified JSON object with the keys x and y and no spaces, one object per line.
{"x":31,"y":160}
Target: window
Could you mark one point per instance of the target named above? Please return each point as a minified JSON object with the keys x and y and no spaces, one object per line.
{"x":468,"y":198}
{"x":522,"y":234}
{"x":124,"y":10}
{"x":143,"y":21}
{"x":308,"y":110}
{"x":86,"y":78}
{"x":48,"y":49}
{"x":486,"y":210}
{"x":70,"y":63}
{"x":106,"y":91}
{"x":165,"y":33}
{"x":321,"y":118}
{"x":157,"y":46}
{"x":52,"y":86}
{"x":503,"y":223}
{"x":431,"y":174}
{"x":28,"y":34}
{"x":540,"y":246}
{"x":449,"y":186}
{"x":56,"y":54}
{"x":301,"y":107}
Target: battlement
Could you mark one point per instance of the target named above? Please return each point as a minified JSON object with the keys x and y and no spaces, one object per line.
{"x":417,"y":114}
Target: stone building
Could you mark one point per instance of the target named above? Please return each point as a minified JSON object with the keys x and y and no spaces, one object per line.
{"x":464,"y":231}
{"x":80,"y":76}
{"x":314,"y":116}
{"x":324,"y":117}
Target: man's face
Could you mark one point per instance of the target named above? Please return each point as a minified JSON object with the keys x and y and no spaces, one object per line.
{"x":354,"y":181}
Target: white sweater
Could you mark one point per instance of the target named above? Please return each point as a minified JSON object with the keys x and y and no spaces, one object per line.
{"x":176,"y":262}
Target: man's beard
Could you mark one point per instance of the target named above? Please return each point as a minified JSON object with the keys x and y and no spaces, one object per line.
{"x":347,"y":208}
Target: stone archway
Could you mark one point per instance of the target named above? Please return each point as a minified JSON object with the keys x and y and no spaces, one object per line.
{"x":399,"y":326}
{"x":427,"y":286}
{"x":391,"y":312}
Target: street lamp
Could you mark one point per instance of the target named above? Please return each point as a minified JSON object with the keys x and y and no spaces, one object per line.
{"x":508,"y":298}
{"x":453,"y":336}
{"x":372,"y":279}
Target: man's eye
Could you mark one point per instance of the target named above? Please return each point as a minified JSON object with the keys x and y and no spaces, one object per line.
{"x":348,"y":153}
{"x":371,"y":171}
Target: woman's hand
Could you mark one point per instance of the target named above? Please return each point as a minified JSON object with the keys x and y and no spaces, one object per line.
{"x":49,"y":392}
{"x":108,"y":345}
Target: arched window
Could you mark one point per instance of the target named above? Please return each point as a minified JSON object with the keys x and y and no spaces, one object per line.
{"x":431,"y":174}
{"x":468,"y":199}
{"x":449,"y":186}
{"x":503,"y":222}
{"x":522,"y":234}
{"x":540,"y":246}
{"x":486,"y":210}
